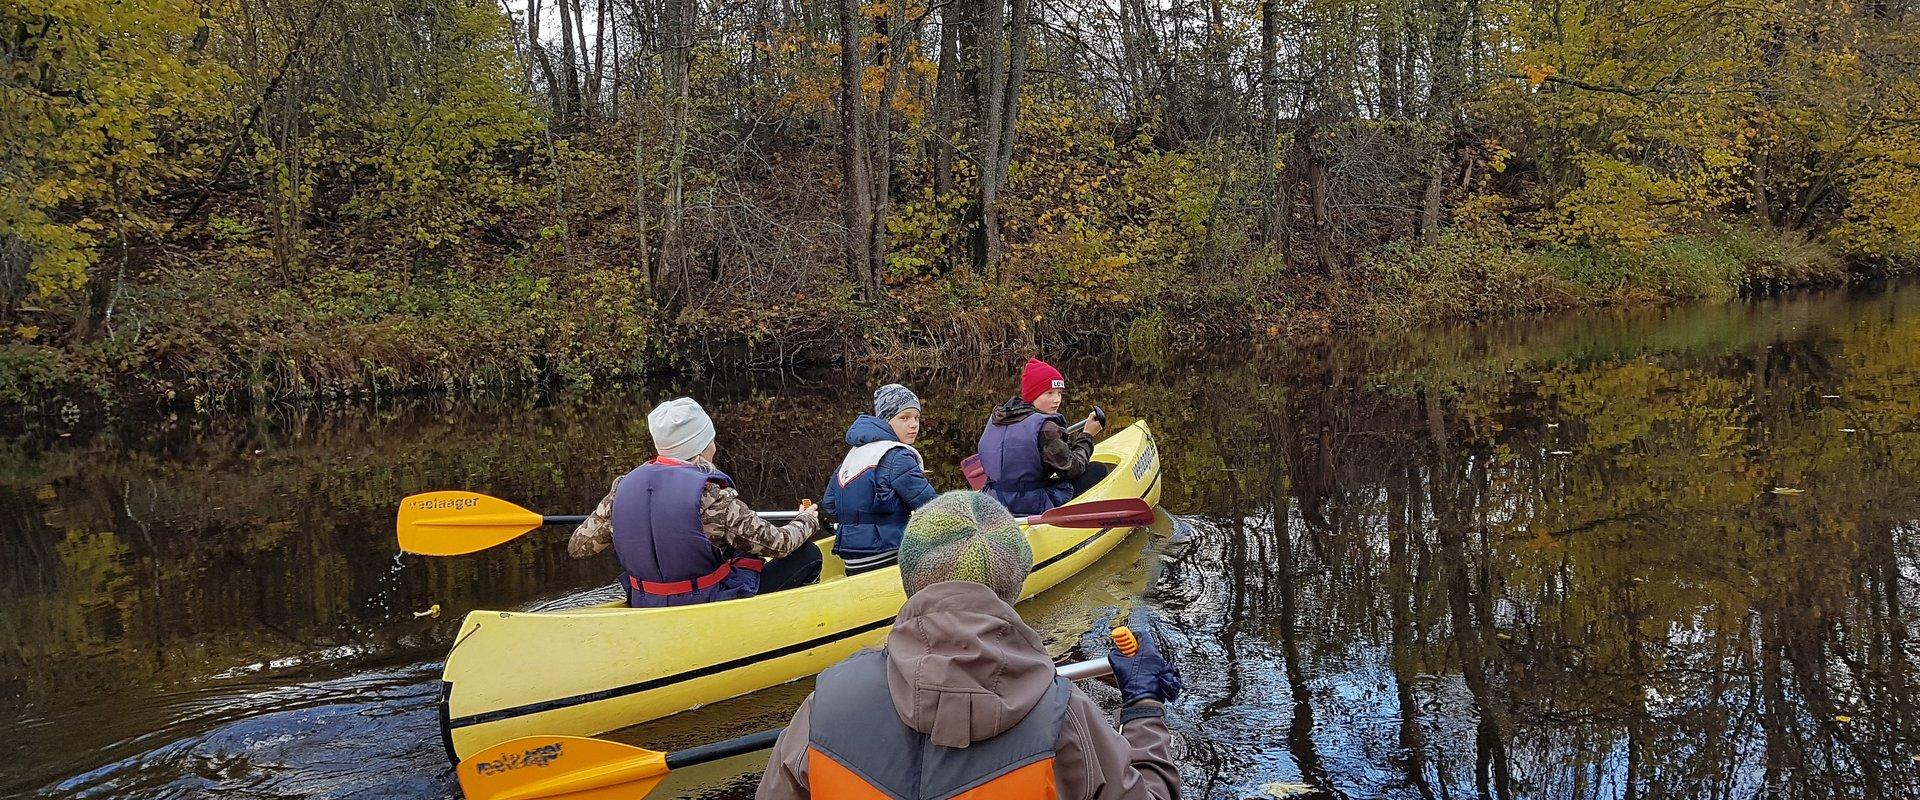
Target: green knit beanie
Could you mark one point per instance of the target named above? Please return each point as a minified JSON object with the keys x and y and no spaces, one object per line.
{"x":965,"y":536}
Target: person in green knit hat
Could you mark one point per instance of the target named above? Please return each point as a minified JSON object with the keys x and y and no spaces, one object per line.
{"x":963,"y":672}
{"x":965,"y":536}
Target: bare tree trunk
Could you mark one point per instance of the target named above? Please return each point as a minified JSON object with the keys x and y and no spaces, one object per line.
{"x":540,"y":56}
{"x":641,"y":181}
{"x":991,"y":96}
{"x":1218,"y":58}
{"x":855,"y":188}
{"x":1322,"y":212}
{"x":1017,"y":41}
{"x":1430,"y":202}
{"x":1387,"y":20}
{"x":1312,"y":108}
{"x":599,"y":59}
{"x":1409,"y":60}
{"x":570,"y":71}
{"x":675,"y":69}
{"x":895,"y":55}
{"x":513,"y":24}
{"x":1271,"y":230}
{"x":1449,"y":80}
{"x":613,"y":91}
{"x":946,"y":96}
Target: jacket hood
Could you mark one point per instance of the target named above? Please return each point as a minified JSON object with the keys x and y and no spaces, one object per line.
{"x":961,"y":666}
{"x":869,"y":429}
{"x":1012,"y":412}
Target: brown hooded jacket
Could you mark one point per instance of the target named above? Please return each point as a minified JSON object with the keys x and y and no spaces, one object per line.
{"x":961,"y":668}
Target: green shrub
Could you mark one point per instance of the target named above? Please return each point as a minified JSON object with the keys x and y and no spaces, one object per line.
{"x":1773,"y":259}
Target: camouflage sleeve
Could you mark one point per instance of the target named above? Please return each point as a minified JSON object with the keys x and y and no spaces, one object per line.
{"x":730,"y":523}
{"x":596,"y":534}
{"x":1066,"y":455}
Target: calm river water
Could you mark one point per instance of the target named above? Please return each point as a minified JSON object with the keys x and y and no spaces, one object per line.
{"x":1661,"y":553}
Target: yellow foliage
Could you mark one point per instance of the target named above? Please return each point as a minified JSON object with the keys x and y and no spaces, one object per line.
{"x":88,"y":98}
{"x":811,"y":73}
{"x":1781,"y":108}
{"x":1617,"y":203}
{"x":1102,"y":221}
{"x":1883,"y":201}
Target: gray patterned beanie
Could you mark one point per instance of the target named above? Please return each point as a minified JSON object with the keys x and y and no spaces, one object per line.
{"x":891,"y":399}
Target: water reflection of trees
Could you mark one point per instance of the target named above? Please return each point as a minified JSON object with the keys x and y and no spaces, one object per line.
{"x":1576,"y":578}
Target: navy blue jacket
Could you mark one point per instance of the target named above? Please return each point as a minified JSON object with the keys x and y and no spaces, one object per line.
{"x":872,"y":507}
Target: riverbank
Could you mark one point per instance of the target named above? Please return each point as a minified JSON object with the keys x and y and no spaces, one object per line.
{"x":214,"y":331}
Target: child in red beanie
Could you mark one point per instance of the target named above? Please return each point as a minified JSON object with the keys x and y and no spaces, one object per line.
{"x":1032,"y":463}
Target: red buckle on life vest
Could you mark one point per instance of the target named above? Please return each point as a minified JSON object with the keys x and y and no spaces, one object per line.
{"x":672,"y":588}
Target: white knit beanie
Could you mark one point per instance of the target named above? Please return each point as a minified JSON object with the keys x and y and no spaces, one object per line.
{"x":680,"y":428}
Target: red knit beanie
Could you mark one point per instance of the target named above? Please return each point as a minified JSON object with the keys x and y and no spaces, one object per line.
{"x":1037,"y":377}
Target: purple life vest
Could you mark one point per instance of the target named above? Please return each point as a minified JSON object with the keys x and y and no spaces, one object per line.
{"x":1016,"y":476}
{"x":665,"y":555}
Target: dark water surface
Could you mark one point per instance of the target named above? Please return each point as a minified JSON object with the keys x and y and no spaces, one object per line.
{"x":1665,"y":553}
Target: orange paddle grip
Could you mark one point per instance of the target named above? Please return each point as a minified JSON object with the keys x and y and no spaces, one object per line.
{"x":1124,"y":642}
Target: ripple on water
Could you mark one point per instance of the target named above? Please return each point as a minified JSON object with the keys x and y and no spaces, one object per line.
{"x":373,"y":735}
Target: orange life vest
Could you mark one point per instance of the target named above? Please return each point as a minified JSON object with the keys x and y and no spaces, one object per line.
{"x":858,"y":748}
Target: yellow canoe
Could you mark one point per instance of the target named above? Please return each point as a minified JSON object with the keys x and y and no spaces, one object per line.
{"x":591,"y":670}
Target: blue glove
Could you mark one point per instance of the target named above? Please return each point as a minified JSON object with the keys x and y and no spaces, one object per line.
{"x":1144,"y":675}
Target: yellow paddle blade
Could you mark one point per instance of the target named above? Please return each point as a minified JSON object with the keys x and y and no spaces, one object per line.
{"x":568,"y":767}
{"x":455,"y":523}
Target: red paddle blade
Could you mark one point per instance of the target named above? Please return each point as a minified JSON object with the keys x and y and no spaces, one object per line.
{"x":1130,"y":512}
{"x":976,"y":474}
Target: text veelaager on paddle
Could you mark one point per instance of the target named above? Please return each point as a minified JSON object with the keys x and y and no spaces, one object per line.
{"x":456,"y":504}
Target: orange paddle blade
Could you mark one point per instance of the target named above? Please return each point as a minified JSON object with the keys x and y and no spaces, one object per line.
{"x":455,"y":523}
{"x":569,"y":767}
{"x":1130,"y":512}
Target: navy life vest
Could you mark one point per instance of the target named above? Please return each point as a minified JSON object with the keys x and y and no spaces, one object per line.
{"x":1015,"y":474}
{"x":664,"y":552}
{"x":872,"y":514}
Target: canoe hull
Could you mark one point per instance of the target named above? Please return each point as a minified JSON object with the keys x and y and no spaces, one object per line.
{"x":591,"y":670}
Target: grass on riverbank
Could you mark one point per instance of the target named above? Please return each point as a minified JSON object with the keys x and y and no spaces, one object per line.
{"x":1468,"y":277}
{"x":214,"y":333}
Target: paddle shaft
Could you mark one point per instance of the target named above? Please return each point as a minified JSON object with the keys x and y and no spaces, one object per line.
{"x":575,"y":519}
{"x":1098,"y":414}
{"x":754,"y":742}
{"x":770,"y":516}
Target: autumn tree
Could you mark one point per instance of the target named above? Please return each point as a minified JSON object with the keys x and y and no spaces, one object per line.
{"x":101,"y":107}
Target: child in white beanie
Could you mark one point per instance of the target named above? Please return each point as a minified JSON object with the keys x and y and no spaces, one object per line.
{"x":680,"y":530}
